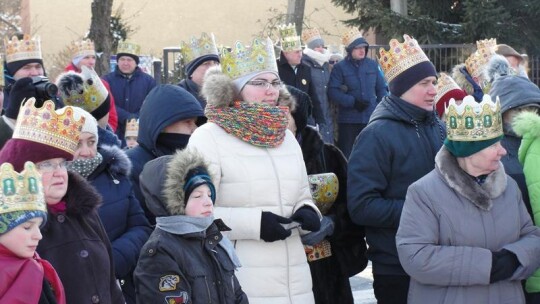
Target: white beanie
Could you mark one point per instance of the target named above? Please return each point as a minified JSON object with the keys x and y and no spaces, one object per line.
{"x":90,"y":123}
{"x":241,"y":81}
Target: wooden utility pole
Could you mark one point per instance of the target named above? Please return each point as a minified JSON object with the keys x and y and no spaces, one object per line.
{"x":295,"y":13}
{"x":26,"y":26}
{"x":100,"y":33}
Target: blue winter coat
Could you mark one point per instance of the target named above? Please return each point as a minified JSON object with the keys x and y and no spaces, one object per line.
{"x":356,"y":79}
{"x":121,"y":214}
{"x":397,"y":147}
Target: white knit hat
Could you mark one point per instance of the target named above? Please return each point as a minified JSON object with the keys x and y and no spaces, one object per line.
{"x":90,"y":123}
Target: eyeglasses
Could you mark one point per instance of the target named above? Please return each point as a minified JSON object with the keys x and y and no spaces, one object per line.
{"x":333,"y":61}
{"x":48,"y":166}
{"x":265,"y":85}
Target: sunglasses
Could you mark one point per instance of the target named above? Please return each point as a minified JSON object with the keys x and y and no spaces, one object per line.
{"x":333,"y":61}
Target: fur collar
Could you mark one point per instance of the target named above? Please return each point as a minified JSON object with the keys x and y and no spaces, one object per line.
{"x":116,"y":160}
{"x":480,"y":195}
{"x":320,"y":58}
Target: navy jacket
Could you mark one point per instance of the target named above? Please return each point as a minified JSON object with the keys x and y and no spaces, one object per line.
{"x":397,"y":147}
{"x":193,"y":88}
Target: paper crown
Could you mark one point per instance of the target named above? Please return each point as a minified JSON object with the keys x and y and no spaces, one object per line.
{"x":127,"y":47}
{"x":311,"y":34}
{"x":351,"y":35}
{"x":82,"y":48}
{"x":132,"y":128}
{"x":476,"y":62}
{"x":447,"y":88}
{"x":43,"y":125}
{"x":289,"y":39}
{"x":400,"y":57}
{"x":197,"y":47}
{"x":84,"y":89}
{"x":27,"y":48}
{"x":243,"y":60}
{"x":473,"y":121}
{"x":324,"y":190}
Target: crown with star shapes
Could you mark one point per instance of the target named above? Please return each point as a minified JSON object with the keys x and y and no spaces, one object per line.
{"x":242,"y":59}
{"x":27,"y":48}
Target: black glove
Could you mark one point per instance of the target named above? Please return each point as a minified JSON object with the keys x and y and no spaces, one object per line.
{"x":308,"y":218}
{"x":314,"y":238}
{"x":271,"y":228}
{"x":503,"y":265}
{"x":22,"y":90}
{"x":360,"y":105}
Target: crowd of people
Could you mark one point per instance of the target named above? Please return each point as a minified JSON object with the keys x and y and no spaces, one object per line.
{"x":269,"y":176}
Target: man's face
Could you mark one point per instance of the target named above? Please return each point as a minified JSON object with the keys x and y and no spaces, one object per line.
{"x":198,"y":75}
{"x":29,"y":70}
{"x":422,"y":94}
{"x":293,"y":57}
{"x":359,"y":52}
{"x":126,"y":64}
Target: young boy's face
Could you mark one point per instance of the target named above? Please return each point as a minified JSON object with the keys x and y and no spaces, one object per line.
{"x":131,"y":141}
{"x":199,"y":203}
{"x":23,"y":239}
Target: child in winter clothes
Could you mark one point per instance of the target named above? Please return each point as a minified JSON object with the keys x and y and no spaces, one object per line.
{"x":25,"y":277}
{"x":186,"y":259}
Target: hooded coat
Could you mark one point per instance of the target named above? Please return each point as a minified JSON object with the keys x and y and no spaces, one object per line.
{"x":189,"y":264}
{"x":251,"y":179}
{"x":77,"y":246}
{"x":193,"y":88}
{"x":449,"y":228}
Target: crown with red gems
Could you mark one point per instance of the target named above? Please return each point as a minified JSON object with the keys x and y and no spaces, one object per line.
{"x":445,"y":84}
{"x":351,"y":35}
{"x":290,"y":41}
{"x":197,"y":47}
{"x":310,"y":34}
{"x":473,"y":121}
{"x":82,"y":48}
{"x":27,"y":48}
{"x":44,"y":125}
{"x":242,"y":59}
{"x":400,"y":57}
{"x":127,"y":47}
{"x":476,"y":62}
{"x":132,"y":128}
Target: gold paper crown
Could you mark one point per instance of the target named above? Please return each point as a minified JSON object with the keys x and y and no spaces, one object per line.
{"x":243,"y":60}
{"x":311,"y":34}
{"x":28,"y":48}
{"x":290,"y":41}
{"x":473,"y":121}
{"x":350,"y":36}
{"x":127,"y":47}
{"x":82,"y":48}
{"x":445,"y":84}
{"x":196,"y":48}
{"x":21,"y":191}
{"x":400,"y":57}
{"x":93,"y":92}
{"x":44,"y":125}
{"x":476,"y":62}
{"x":132,"y":128}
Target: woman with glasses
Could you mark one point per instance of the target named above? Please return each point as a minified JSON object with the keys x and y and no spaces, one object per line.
{"x":74,"y":240}
{"x":261,"y":181}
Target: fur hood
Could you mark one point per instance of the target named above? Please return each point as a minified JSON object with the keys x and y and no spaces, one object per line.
{"x":527,"y":123}
{"x":461,"y":80}
{"x":179,"y":166}
{"x":218,"y":90}
{"x":480,"y":195}
{"x":115,"y":160}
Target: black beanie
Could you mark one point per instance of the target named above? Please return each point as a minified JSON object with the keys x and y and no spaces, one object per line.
{"x":411,"y":76}
{"x":103,"y":108}
{"x":13,"y":67}
{"x":193,"y":64}
{"x":135,"y":57}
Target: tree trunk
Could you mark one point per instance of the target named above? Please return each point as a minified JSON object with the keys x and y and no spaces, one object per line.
{"x":295,"y":13}
{"x":100,"y":33}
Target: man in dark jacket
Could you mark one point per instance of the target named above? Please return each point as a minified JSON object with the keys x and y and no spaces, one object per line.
{"x":168,"y":117}
{"x":356,"y":86}
{"x":396,"y":148}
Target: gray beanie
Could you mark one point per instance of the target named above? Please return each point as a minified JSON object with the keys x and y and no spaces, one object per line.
{"x":514,"y":91}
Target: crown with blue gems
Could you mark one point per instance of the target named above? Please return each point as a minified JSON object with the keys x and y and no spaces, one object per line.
{"x":197,"y":47}
{"x":289,"y":39}
{"x":44,"y":125}
{"x":21,"y":196}
{"x":27,"y":48}
{"x":476,"y":62}
{"x":473,"y":121}
{"x":400,"y":57}
{"x":82,"y":48}
{"x":242,"y":59}
{"x":128,"y":47}
{"x":89,"y":93}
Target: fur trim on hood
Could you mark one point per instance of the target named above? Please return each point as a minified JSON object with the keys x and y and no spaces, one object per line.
{"x":456,"y":178}
{"x":218,"y":90}
{"x":497,"y":66}
{"x":461,"y":80}
{"x":527,"y":123}
{"x":178,"y":168}
{"x":116,"y":159}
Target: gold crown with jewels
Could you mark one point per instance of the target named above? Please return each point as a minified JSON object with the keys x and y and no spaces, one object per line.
{"x":474,"y":121}
{"x":82,"y":48}
{"x":289,"y":39}
{"x":242,"y":60}
{"x":349,"y":36}
{"x":89,"y":95}
{"x":132,"y":128}
{"x":197,"y":47}
{"x":21,"y":191}
{"x":127,"y":47}
{"x":310,"y":34}
{"x":445,"y":84}
{"x":476,"y":62}
{"x":400,"y":57}
{"x":44,"y":125}
{"x":27,"y":48}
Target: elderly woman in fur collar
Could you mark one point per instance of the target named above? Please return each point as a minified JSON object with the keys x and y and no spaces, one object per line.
{"x":261,"y":179}
{"x":465,"y":235}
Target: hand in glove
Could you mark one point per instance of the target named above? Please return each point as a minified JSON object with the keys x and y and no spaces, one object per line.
{"x":271,"y":228}
{"x":327,"y":229}
{"x":22,"y":90}
{"x":360,"y":105}
{"x":308,"y":218}
{"x":503,"y":265}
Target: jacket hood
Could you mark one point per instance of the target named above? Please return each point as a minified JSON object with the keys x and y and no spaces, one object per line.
{"x":514,"y":91}
{"x":115,"y":160}
{"x":395,"y":108}
{"x":460,"y":79}
{"x":358,"y":41}
{"x":152,"y":181}
{"x":480,"y":195}
{"x":164,"y":105}
{"x":218,"y":90}
{"x":526,"y":125}
{"x":497,"y":66}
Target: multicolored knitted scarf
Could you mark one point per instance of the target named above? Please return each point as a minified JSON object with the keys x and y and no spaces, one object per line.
{"x":256,"y":123}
